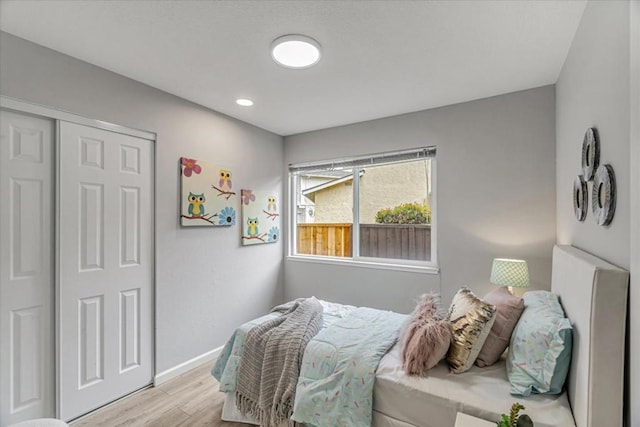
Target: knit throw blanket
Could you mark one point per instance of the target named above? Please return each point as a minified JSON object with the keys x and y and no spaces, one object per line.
{"x":270,"y":365}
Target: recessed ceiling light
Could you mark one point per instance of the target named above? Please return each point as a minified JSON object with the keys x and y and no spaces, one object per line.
{"x":244,"y":102}
{"x":295,"y":51}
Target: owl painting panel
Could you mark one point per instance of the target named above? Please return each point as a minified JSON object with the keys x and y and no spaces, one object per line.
{"x":260,"y":217}
{"x":207,"y":198}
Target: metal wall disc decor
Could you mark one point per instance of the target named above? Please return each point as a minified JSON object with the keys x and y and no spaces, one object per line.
{"x":580,"y":198}
{"x":603,"y":195}
{"x":590,"y":153}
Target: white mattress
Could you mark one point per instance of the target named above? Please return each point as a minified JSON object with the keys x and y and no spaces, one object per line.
{"x":434,"y":401}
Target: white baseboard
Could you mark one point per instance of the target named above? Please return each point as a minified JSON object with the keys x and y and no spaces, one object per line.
{"x":171,"y":373}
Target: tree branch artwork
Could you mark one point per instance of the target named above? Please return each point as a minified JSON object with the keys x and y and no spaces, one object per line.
{"x":271,"y":215}
{"x":224,"y":193}
{"x":256,"y":237}
{"x":202,"y":217}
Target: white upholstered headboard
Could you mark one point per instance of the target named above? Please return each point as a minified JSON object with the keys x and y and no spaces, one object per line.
{"x":594,"y":296}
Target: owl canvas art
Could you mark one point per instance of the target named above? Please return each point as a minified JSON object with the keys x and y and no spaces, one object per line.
{"x":252,"y":227}
{"x":196,"y":204}
{"x":260,"y":217}
{"x":225,"y":180}
{"x":271,"y":204}
{"x":207,"y":198}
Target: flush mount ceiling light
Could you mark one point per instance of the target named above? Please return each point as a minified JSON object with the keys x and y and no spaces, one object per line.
{"x":295,"y":51}
{"x":244,"y":102}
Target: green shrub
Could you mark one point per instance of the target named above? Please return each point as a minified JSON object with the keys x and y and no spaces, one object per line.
{"x":406,"y":213}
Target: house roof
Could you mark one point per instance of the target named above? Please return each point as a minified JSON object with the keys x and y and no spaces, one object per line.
{"x":311,"y":190}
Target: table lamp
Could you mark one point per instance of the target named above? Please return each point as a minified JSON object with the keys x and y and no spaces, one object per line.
{"x":512,"y":273}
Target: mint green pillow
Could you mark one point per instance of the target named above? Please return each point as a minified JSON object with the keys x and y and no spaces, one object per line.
{"x":540,"y":349}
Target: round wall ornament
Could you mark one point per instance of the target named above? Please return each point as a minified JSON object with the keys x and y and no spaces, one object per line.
{"x":590,"y":153}
{"x":580,"y":198}
{"x":603,"y":195}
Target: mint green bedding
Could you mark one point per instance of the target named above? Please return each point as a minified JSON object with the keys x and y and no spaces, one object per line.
{"x":338,"y":367}
{"x":225,"y":369}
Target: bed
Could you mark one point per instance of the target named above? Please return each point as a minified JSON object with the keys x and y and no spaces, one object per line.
{"x":594,"y":296}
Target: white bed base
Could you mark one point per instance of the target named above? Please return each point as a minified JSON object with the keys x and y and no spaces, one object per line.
{"x":593,"y":294}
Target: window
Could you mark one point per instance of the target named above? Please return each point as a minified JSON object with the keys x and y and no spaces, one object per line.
{"x":375,"y":208}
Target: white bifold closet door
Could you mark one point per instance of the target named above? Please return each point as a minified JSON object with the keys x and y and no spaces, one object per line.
{"x":105,"y":244}
{"x":26,"y":268}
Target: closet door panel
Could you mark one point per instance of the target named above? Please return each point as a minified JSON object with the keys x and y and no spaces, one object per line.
{"x":26,"y":274}
{"x":106,"y":267}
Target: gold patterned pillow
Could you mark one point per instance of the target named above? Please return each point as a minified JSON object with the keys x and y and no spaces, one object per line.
{"x":471,"y":320}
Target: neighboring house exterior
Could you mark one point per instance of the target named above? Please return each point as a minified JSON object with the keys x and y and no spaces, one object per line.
{"x":380,"y":187}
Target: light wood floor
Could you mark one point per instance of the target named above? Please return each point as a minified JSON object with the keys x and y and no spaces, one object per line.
{"x":192,"y":399}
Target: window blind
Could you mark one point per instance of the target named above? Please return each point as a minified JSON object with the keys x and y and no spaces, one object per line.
{"x":362,"y":161}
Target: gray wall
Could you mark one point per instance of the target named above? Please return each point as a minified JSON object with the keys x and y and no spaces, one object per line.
{"x":495,"y":196}
{"x":594,"y":90}
{"x":203,"y":286}
{"x":634,"y":322}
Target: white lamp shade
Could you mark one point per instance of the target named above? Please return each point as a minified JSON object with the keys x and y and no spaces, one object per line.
{"x":510,"y":272}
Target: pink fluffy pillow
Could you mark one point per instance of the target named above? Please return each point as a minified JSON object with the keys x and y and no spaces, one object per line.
{"x":425,"y":337}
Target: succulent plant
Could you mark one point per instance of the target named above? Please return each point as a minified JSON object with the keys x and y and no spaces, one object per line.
{"x":514,"y":419}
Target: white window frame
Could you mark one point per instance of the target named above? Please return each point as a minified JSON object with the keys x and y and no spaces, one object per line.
{"x":356,"y":260}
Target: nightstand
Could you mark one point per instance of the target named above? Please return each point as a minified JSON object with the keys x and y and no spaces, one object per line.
{"x":464,"y":420}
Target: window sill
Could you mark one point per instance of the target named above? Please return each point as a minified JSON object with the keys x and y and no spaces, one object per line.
{"x":413,"y":268}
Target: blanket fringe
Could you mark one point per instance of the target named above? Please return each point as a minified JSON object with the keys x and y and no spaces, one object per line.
{"x":270,"y":417}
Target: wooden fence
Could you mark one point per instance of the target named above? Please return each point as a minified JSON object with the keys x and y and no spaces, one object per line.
{"x":399,"y":241}
{"x":325,"y":239}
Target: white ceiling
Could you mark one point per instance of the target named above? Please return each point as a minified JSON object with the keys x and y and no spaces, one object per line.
{"x":380,"y":58}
